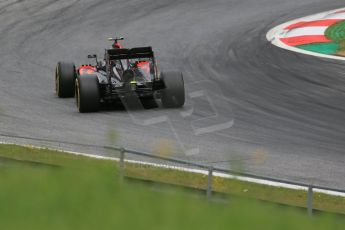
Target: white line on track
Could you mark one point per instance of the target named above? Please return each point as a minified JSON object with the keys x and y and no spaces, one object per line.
{"x":336,"y":16}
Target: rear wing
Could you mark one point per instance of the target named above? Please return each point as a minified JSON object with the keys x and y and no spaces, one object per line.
{"x":120,"y":54}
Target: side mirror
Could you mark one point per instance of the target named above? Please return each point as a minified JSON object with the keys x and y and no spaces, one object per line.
{"x":92,"y":56}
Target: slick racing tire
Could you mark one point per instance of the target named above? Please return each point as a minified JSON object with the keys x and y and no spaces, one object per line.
{"x":173,"y":96}
{"x":65,"y":79}
{"x":87,"y":94}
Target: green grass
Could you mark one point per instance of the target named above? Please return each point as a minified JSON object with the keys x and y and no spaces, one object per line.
{"x":173,"y":177}
{"x":50,"y":198}
{"x":336,"y":33}
{"x":90,"y":196}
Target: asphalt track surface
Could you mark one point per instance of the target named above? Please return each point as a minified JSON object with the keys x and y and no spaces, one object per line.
{"x":250,"y":105}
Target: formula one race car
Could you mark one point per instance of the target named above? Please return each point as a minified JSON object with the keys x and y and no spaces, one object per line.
{"x":122,"y":73}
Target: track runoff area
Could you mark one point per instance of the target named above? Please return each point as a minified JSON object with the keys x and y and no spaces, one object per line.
{"x":321,"y":35}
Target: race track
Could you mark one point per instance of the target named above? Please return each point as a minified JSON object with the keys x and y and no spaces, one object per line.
{"x":250,"y":105}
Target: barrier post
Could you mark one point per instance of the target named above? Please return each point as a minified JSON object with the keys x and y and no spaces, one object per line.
{"x":310,"y":200}
{"x":122,"y":164}
{"x":209,"y":183}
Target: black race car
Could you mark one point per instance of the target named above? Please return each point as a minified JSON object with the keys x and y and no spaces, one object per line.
{"x":121,"y":74}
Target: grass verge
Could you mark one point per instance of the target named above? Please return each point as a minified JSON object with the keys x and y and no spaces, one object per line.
{"x":238,"y":188}
{"x":336,"y":33}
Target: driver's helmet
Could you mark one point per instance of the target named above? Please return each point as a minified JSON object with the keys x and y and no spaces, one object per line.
{"x":117,"y":45}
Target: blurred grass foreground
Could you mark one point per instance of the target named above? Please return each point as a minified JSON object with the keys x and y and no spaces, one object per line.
{"x":88,"y":195}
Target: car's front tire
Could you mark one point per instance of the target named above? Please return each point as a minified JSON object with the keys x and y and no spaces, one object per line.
{"x":65,"y":76}
{"x":87,"y":94}
{"x":173,"y":96}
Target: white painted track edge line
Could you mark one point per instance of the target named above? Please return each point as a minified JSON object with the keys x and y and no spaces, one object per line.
{"x":185,"y":169}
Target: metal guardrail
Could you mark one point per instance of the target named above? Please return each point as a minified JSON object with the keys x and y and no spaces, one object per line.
{"x":310,"y":187}
{"x":210,"y":169}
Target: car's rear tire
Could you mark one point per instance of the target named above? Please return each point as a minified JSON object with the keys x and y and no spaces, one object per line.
{"x":87,"y":94}
{"x":173,"y":96}
{"x":65,"y":75}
